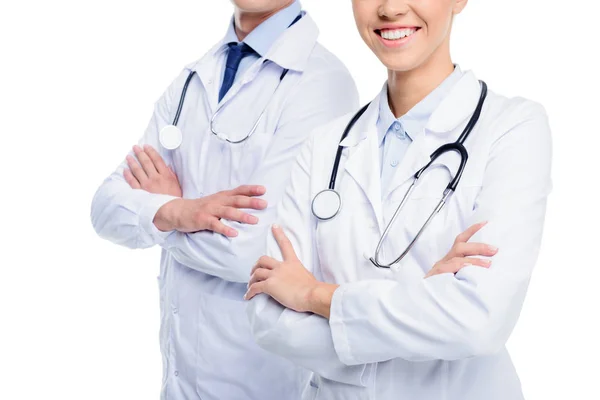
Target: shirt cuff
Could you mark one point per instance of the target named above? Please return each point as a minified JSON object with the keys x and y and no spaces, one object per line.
{"x":147,"y":214}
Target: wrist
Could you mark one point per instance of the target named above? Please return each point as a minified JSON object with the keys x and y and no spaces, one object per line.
{"x":166,"y":218}
{"x":319,"y":299}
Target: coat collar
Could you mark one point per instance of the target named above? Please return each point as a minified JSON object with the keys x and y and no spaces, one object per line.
{"x":292,"y":50}
{"x":457,"y":106}
{"x":362,"y":161}
{"x":450,"y":113}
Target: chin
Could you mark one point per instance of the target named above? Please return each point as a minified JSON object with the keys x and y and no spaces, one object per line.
{"x":399,"y":62}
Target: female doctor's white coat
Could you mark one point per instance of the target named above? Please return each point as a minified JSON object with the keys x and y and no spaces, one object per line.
{"x":393,"y":334}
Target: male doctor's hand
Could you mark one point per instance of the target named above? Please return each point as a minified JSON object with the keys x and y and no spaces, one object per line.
{"x":151,"y":173}
{"x":190,"y":215}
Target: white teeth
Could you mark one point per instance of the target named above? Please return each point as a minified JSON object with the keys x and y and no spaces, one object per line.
{"x":397,"y":33}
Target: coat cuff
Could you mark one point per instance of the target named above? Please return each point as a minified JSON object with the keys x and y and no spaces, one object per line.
{"x":339,"y":333}
{"x":147,"y":214}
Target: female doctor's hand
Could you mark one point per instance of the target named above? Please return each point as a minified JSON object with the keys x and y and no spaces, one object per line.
{"x":288,"y":281}
{"x":462,"y":253}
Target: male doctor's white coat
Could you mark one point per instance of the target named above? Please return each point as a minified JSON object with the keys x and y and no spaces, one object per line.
{"x":393,"y":334}
{"x":207,"y":347}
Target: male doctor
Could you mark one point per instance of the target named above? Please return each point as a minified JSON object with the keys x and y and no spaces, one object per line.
{"x":268,"y":68}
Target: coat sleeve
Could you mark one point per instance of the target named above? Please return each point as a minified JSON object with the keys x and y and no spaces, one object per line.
{"x":303,"y":338}
{"x":472,"y":313}
{"x":124,"y":215}
{"x":316,"y":100}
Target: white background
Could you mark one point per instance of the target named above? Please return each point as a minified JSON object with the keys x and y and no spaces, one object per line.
{"x":79,"y":316}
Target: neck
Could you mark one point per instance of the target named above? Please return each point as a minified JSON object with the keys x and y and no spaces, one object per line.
{"x":246,"y":21}
{"x":407,"y":88}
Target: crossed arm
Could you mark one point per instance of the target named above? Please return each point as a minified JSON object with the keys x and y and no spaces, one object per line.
{"x":212,"y":234}
{"x":460,"y":310}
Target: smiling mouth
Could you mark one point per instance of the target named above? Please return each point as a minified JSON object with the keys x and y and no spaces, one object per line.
{"x":396,"y":34}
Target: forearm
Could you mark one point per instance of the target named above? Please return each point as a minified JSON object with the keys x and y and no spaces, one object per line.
{"x":230,"y":259}
{"x":303,"y":338}
{"x":444,"y":315}
{"x":319,"y":301}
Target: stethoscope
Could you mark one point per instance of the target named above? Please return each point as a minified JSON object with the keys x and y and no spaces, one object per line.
{"x":328,"y":203}
{"x":170,"y":136}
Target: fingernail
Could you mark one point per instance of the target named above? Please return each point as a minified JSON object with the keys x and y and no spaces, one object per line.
{"x":487,"y":262}
{"x":246,"y":296}
{"x":493,"y":248}
{"x":467,"y":265}
{"x":253,"y":219}
{"x":275,"y":226}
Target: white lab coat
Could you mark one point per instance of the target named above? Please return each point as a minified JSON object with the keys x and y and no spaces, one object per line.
{"x":393,"y":334}
{"x":207,"y":347}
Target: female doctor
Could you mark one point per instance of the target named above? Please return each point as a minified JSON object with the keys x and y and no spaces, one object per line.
{"x":434,"y":324}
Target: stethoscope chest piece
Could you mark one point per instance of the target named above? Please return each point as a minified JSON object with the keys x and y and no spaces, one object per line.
{"x":170,"y":137}
{"x":326,"y":204}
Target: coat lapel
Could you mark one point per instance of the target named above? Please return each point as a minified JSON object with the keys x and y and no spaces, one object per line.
{"x":444,"y":126}
{"x":362,"y":162}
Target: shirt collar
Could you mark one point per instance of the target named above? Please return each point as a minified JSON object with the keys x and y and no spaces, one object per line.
{"x":264,"y":35}
{"x":416,"y":118}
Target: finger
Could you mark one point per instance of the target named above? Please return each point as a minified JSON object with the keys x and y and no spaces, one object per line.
{"x":265,"y":262}
{"x":249,"y":190}
{"x":256,"y":288}
{"x":468,"y":234}
{"x":157,"y":160}
{"x":146,"y":162}
{"x":474,"y":249}
{"x":136,"y":170}
{"x":458,"y":263}
{"x":233,"y":214}
{"x":287,"y":250}
{"x":243,"y":201}
{"x":172,"y":171}
{"x":259,"y":275}
{"x":130,"y":179}
{"x":218,"y":227}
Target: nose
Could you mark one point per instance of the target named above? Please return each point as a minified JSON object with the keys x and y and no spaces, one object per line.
{"x":393,"y":8}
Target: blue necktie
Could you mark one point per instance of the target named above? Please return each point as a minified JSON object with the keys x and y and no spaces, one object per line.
{"x":237,"y":51}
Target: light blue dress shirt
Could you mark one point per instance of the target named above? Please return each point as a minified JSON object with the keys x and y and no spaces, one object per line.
{"x":396,"y":134}
{"x":263,"y":36}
